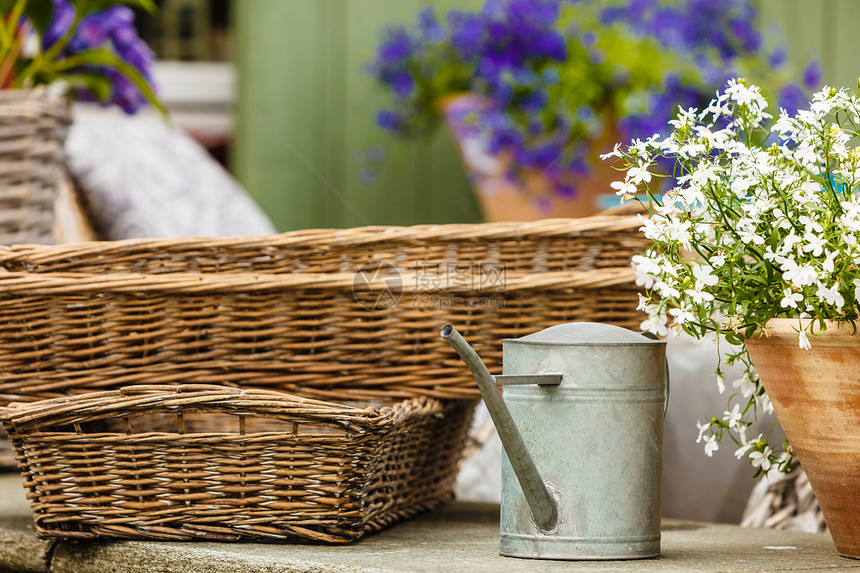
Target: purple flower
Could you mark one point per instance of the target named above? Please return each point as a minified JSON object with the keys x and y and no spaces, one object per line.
{"x":112,"y":28}
{"x":388,"y":120}
{"x":428,"y":25}
{"x":777,"y":58}
{"x":64,"y":15}
{"x":467,"y":33}
{"x":397,"y":46}
{"x":812,"y":76}
{"x":508,"y":52}
{"x":402,"y":84}
{"x":792,"y":98}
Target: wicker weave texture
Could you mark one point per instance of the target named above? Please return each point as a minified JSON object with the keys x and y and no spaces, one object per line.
{"x":236,"y":312}
{"x":278,"y":466}
{"x":33,"y":126}
{"x":598,"y":242}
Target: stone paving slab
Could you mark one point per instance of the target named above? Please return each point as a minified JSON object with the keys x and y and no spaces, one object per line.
{"x":458,"y":537}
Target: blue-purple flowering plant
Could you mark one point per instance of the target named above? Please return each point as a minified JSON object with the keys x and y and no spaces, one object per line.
{"x":89,"y":45}
{"x":558,"y":74}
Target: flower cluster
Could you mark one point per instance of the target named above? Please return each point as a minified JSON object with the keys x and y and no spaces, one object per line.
{"x":558,"y":74}
{"x":91,"y":46}
{"x":762,"y":222}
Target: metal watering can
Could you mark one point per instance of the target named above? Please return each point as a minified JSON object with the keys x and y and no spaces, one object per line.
{"x":581,"y":422}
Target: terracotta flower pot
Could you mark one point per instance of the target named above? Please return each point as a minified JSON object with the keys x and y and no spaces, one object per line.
{"x":535,"y":197}
{"x":816,"y":397}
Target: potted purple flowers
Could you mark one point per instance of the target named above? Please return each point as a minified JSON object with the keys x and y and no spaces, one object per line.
{"x":91,"y":46}
{"x":552,"y":84}
{"x":51,"y":51}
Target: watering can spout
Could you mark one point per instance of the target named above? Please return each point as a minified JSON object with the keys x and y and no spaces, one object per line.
{"x":540,"y":501}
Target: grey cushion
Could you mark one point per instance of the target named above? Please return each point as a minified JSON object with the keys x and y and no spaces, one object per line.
{"x":142,"y":178}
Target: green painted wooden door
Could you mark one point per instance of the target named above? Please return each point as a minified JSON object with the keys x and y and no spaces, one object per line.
{"x":307,"y":145}
{"x":306,"y":115}
{"x":817,"y":30}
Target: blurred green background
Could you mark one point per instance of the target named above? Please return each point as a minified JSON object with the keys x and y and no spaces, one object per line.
{"x":306,"y":145}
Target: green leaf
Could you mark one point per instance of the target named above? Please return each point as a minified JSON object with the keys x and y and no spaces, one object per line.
{"x":6,"y":6}
{"x":103,"y":57}
{"x":97,"y":84}
{"x":40,"y":13}
{"x":86,"y":7}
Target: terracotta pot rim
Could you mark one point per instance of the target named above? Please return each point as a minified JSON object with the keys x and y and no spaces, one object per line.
{"x":785,"y":331}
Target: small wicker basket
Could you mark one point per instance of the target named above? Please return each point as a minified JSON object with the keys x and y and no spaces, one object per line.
{"x":332,"y":314}
{"x":231,"y":464}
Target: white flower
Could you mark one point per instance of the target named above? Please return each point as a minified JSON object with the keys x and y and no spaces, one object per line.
{"x":745,"y":385}
{"x":746,"y":445}
{"x":703,"y":174}
{"x":616,"y":152}
{"x":764,"y":403}
{"x":761,"y":459}
{"x":623,"y":188}
{"x":732,"y":418}
{"x":739,"y":453}
{"x":699,"y":296}
{"x":666,"y":290}
{"x":805,"y":154}
{"x":810,"y":225}
{"x":830,"y":296}
{"x":637,"y":175}
{"x":742,"y":94}
{"x":788,"y":244}
{"x":704,"y":275}
{"x":750,"y":237}
{"x":702,"y":429}
{"x":682,"y":314}
{"x":828,"y":265}
{"x":656,"y":321}
{"x":790,"y":299}
{"x":814,"y":244}
{"x":711,"y":446}
{"x":799,"y":276}
{"x":803,"y":341}
{"x":717,"y":261}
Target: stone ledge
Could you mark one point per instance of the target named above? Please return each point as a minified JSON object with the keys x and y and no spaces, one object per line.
{"x":460,"y":536}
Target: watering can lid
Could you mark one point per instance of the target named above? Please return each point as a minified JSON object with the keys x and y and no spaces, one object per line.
{"x":585,"y":334}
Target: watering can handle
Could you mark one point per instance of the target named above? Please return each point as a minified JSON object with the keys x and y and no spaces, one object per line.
{"x":653,"y":336}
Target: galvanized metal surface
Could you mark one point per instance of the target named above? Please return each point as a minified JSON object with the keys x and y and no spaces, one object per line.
{"x":596,"y":439}
{"x":523,"y":379}
{"x":543,"y":509}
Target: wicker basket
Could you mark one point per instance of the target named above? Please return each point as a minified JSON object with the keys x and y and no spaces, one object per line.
{"x":331,"y":314}
{"x":276,"y":467}
{"x":33,"y":125}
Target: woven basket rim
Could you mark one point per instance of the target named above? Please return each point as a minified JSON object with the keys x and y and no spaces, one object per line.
{"x":139,"y":283}
{"x":329,"y":238}
{"x":198,"y":398}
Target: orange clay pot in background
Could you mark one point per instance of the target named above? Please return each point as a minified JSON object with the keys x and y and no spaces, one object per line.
{"x":816,"y":397}
{"x":534,"y":198}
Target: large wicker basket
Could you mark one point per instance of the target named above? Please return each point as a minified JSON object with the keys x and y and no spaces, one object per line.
{"x":33,"y":126}
{"x":332,"y":314}
{"x":234,"y":465}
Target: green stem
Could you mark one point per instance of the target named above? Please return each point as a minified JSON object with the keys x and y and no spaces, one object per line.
{"x":7,"y":29}
{"x":45,"y":58}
